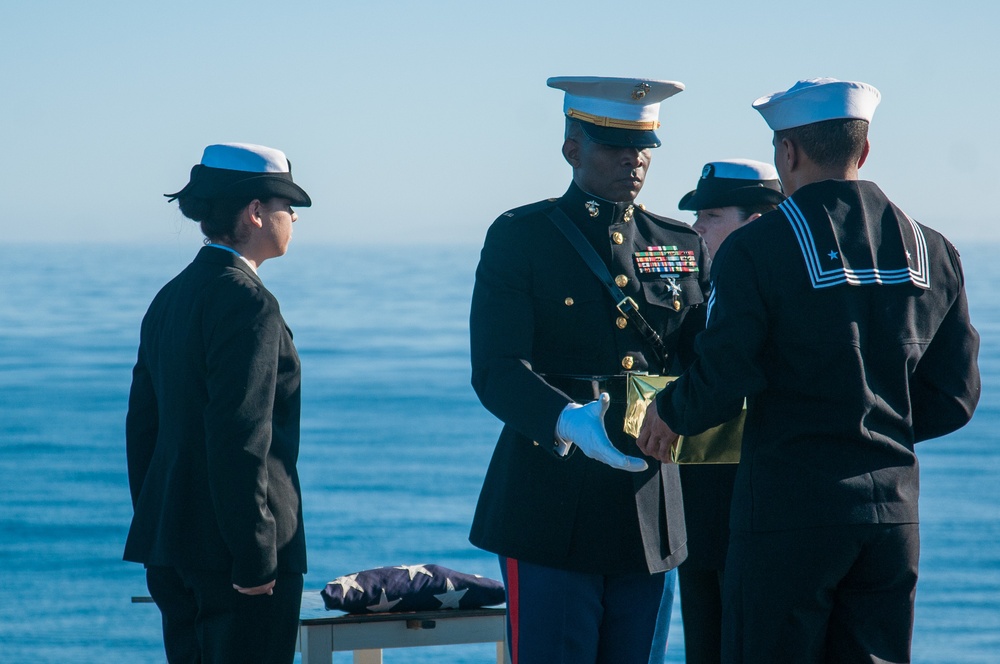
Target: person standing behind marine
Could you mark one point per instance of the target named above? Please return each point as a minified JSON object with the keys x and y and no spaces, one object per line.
{"x":584,"y":538}
{"x":845,"y":325}
{"x":212,"y":431}
{"x":729,"y":195}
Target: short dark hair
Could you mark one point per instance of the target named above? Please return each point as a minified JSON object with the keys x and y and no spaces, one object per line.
{"x":758,"y":208}
{"x":218,"y":216}
{"x":831,"y":143}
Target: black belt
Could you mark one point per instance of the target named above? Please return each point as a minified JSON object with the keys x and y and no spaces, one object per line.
{"x":584,"y":389}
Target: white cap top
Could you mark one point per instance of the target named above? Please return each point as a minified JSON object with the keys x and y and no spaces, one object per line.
{"x":740,"y":169}
{"x":621,"y":103}
{"x":245,"y":157}
{"x":816,"y":100}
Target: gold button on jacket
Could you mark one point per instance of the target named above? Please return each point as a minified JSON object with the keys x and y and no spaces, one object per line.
{"x":621,"y":280}
{"x":617,"y":237}
{"x":628,"y":361}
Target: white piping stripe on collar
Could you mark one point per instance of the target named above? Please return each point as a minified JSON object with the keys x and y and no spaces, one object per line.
{"x":821,"y":278}
{"x":711,"y":301}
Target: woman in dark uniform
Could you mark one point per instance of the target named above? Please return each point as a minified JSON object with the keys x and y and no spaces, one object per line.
{"x":212,"y":431}
{"x":730,"y":194}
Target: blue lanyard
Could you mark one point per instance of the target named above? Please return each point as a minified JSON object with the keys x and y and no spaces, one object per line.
{"x":222,"y":246}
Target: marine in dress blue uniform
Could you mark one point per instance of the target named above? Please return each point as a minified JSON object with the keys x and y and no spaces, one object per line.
{"x":845,"y":324}
{"x":212,"y":431}
{"x":585,"y":527}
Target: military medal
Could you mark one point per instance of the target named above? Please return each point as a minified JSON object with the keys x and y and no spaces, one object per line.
{"x":675,"y":290}
{"x":667,"y":261}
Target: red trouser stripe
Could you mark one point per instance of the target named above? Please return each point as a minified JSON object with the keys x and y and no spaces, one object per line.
{"x":513,"y":593}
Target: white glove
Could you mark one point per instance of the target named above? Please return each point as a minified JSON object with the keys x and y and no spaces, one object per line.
{"x":584,"y":426}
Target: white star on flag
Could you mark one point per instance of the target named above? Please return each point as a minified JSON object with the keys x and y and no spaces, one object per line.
{"x":413,"y":570}
{"x":348,"y":582}
{"x":451,"y":597}
{"x":384,"y":604}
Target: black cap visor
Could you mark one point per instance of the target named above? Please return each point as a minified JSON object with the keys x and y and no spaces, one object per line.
{"x":726,"y":192}
{"x":211,"y":183}
{"x":622,"y":138}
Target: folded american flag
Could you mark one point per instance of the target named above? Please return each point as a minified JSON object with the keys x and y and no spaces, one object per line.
{"x":411,"y":588}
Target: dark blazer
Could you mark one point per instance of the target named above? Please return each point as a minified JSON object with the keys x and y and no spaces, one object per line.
{"x":841,"y":381}
{"x":539,"y":316}
{"x":212,"y":431}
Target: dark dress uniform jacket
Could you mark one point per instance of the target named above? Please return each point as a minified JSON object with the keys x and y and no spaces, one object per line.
{"x":213,"y":428}
{"x":540,"y":315}
{"x":842,"y":380}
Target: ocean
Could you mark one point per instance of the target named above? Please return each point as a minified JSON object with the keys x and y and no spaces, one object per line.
{"x":394,"y":444}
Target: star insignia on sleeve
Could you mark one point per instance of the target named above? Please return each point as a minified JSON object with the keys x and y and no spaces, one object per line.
{"x":450,"y":598}
{"x":832,"y":255}
{"x":348,"y":582}
{"x":413,"y":570}
{"x":384,"y":604}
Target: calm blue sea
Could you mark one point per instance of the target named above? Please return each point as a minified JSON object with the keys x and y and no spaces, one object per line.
{"x":394,"y":444}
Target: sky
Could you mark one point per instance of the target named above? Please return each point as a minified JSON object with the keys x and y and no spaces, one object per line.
{"x":421,"y":122}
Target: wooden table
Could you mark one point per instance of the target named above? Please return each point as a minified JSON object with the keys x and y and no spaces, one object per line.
{"x":368,"y":634}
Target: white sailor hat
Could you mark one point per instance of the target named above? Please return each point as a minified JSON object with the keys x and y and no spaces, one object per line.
{"x":236,"y":170}
{"x":616,"y":111}
{"x":816,"y":100}
{"x":734,"y":182}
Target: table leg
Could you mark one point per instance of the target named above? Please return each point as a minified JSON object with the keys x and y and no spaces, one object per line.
{"x":316,"y":644}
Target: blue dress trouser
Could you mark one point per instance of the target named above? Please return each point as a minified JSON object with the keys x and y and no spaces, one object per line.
{"x":556,"y":616}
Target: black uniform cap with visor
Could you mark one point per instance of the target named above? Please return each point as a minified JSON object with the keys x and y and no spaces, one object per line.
{"x":734,"y":182}
{"x":236,"y":170}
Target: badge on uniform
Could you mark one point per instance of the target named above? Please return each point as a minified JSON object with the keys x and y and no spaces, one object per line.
{"x":667,"y":261}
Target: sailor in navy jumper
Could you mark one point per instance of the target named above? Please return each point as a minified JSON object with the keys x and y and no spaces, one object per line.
{"x":846,"y":326}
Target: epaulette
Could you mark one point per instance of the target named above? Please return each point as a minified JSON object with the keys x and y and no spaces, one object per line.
{"x":667,"y":221}
{"x":530,"y":208}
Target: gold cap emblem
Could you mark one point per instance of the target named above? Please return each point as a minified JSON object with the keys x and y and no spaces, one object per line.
{"x":640,"y":91}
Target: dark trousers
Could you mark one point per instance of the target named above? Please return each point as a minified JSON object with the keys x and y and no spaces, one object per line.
{"x":822,"y":595}
{"x":206,"y":621}
{"x":560,"y":617}
{"x":701,"y":608}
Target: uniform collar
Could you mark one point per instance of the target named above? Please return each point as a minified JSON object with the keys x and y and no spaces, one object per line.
{"x":227,"y":257}
{"x":586,"y":208}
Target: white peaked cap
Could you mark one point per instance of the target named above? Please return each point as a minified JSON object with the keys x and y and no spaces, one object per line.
{"x":612,"y":107}
{"x":630,"y":101}
{"x":816,"y":100}
{"x":245,"y":157}
{"x":740,"y":169}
